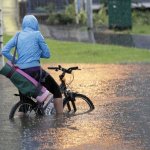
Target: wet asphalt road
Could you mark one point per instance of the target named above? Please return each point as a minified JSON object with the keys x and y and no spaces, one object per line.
{"x":120,"y":121}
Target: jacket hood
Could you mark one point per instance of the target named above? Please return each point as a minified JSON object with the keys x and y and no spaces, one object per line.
{"x":29,"y":21}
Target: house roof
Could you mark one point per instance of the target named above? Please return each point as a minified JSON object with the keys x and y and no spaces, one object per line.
{"x":140,"y":3}
{"x":134,"y":4}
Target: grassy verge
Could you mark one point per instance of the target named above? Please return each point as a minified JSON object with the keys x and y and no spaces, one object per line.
{"x":136,"y":29}
{"x":75,"y":52}
{"x":140,"y":29}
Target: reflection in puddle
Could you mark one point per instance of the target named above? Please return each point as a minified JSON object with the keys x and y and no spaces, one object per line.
{"x":120,"y":120}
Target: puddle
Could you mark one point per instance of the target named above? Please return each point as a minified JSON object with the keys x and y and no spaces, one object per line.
{"x":120,"y":120}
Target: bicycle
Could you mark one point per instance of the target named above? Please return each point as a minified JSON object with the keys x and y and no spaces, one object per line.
{"x":73,"y":102}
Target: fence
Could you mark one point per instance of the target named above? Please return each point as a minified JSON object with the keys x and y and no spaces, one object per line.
{"x":40,"y":8}
{"x":35,"y":6}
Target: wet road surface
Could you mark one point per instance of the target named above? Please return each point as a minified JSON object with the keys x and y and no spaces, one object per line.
{"x":120,"y":121}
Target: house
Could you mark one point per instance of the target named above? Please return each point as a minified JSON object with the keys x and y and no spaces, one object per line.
{"x":138,"y":4}
{"x":37,"y":5}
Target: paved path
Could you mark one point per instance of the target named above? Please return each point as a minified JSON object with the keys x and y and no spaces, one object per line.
{"x":9,"y":16}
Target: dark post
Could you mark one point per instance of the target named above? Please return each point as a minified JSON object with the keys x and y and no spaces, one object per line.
{"x":119,"y":12}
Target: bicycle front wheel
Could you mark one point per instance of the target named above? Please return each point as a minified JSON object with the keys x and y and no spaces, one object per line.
{"x":77,"y":103}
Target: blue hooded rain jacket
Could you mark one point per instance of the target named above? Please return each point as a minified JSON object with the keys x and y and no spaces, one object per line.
{"x":31,"y":45}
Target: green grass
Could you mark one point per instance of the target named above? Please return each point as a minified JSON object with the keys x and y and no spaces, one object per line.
{"x":136,"y":29}
{"x":75,"y":52}
{"x":140,"y":29}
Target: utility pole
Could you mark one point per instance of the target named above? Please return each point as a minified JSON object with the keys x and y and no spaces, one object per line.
{"x":76,"y":11}
{"x":89,"y":14}
{"x":1,"y":38}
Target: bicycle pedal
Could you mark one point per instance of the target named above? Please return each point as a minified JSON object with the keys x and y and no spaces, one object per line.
{"x":40,"y":110}
{"x":40,"y":105}
{"x":16,"y":95}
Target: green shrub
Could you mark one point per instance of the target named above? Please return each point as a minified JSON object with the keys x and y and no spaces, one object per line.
{"x":66,"y":17}
{"x":41,"y":10}
{"x":141,"y":17}
{"x":52,"y":20}
{"x":70,"y":11}
{"x":59,"y":18}
{"x":82,"y":17}
{"x":101,"y":18}
{"x":69,"y":14}
{"x":50,"y":8}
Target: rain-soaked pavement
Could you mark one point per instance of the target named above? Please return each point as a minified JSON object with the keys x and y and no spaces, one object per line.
{"x":120,"y":121}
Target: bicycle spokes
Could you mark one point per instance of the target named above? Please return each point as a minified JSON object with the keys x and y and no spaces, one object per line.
{"x":25,"y":109}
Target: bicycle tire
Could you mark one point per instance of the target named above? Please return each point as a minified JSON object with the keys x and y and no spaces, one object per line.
{"x":79,"y":102}
{"x":13,"y":110}
{"x":18,"y":105}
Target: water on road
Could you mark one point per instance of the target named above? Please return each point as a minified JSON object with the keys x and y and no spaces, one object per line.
{"x":120,"y":120}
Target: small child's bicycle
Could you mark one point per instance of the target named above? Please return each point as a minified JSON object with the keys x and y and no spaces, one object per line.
{"x":73,"y":102}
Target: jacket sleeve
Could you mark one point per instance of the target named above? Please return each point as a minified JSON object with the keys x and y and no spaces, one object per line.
{"x":8,"y":47}
{"x":43,"y":46}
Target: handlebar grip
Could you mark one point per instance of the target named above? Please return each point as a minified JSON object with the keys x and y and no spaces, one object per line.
{"x":54,"y":68}
{"x":74,"y":68}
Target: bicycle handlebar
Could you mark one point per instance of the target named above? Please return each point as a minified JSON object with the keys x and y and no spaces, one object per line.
{"x":68,"y":70}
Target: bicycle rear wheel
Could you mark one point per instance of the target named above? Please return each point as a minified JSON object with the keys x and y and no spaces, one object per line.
{"x":27,"y":109}
{"x":77,"y":103}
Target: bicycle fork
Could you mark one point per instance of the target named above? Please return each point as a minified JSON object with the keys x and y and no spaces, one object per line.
{"x":72,"y":101}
